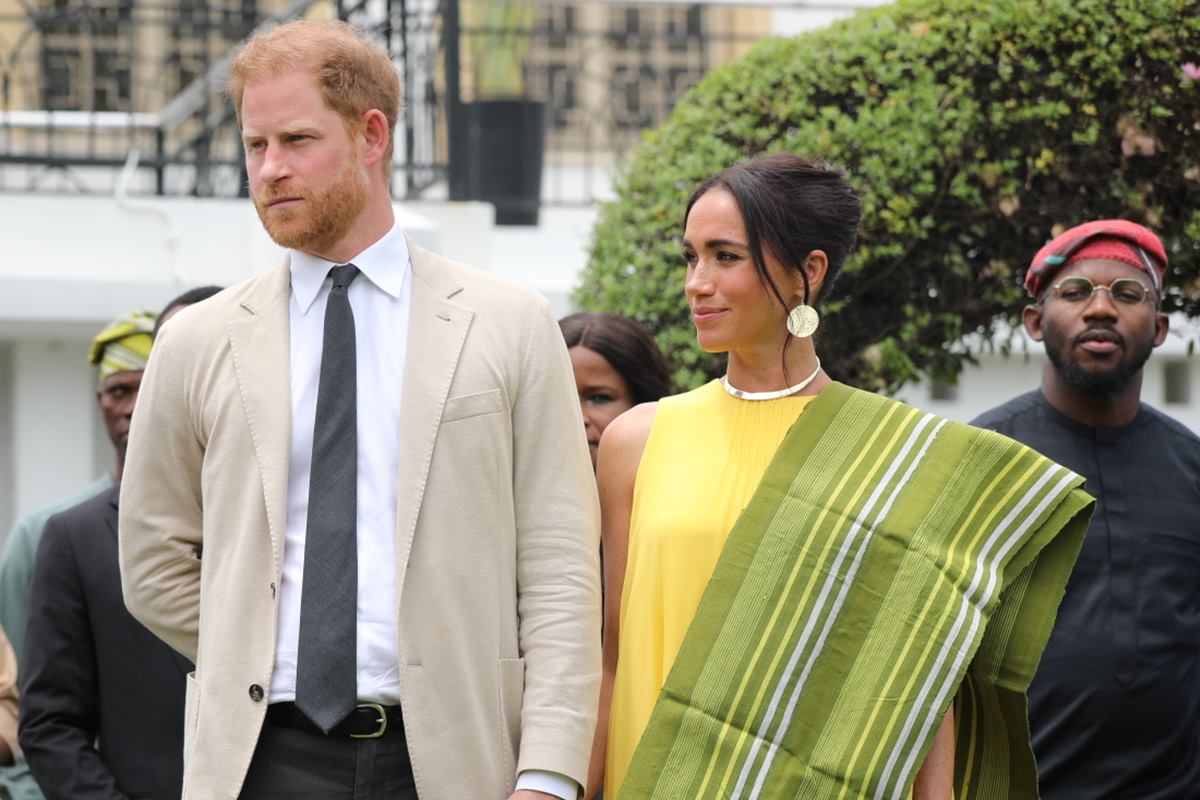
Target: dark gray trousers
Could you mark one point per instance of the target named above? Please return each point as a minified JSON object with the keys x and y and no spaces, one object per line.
{"x":296,"y":764}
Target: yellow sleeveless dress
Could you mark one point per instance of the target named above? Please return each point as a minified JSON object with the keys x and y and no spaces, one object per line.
{"x":706,"y":454}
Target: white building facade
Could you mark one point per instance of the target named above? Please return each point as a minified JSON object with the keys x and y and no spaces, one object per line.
{"x":73,"y":262}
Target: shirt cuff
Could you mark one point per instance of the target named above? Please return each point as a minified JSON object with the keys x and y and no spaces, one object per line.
{"x":540,"y":780}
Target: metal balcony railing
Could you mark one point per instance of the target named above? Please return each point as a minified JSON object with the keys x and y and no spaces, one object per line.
{"x":93,"y":90}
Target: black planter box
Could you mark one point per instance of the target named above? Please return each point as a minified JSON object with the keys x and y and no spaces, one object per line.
{"x":496,"y":156}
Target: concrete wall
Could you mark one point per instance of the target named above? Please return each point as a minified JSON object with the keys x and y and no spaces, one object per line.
{"x":55,"y":421}
{"x":71,"y":264}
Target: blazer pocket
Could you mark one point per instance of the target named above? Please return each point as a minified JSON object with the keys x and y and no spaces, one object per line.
{"x":472,"y":405}
{"x":512,"y":699}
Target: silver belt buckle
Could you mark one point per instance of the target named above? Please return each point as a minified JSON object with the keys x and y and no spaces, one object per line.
{"x":382,"y":722}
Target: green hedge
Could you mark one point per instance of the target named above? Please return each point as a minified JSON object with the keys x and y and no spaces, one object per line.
{"x":973,"y":130}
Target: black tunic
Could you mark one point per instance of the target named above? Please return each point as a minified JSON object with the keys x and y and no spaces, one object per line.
{"x":1115,"y":705}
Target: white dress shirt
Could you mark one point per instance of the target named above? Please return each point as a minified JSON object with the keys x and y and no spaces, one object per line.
{"x":380,"y":298}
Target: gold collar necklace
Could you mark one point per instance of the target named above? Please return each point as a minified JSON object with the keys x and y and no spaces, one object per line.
{"x":775,"y":395}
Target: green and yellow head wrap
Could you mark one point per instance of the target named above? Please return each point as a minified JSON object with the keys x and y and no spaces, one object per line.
{"x":124,"y":346}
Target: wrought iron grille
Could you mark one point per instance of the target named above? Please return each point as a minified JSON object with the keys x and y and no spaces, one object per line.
{"x":607,"y":71}
{"x":97,"y":95}
{"x":87,"y":83}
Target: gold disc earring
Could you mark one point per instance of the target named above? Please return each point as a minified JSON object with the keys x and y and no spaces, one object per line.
{"x":803,"y":320}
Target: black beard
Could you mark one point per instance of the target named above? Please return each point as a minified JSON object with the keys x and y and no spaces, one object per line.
{"x":1107,"y":382}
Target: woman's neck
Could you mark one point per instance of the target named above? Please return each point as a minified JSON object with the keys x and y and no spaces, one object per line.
{"x":775,"y":367}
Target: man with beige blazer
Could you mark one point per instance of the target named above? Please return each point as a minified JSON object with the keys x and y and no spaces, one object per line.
{"x":357,"y":493}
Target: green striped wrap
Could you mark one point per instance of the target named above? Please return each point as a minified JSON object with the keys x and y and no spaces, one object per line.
{"x":889,"y":559}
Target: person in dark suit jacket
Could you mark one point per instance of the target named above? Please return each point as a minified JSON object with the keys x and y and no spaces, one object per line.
{"x":101,"y":697}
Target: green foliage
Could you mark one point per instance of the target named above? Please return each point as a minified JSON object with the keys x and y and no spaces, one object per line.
{"x":973,"y":131}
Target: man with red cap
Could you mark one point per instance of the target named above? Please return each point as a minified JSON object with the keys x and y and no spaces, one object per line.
{"x":1115,"y":704}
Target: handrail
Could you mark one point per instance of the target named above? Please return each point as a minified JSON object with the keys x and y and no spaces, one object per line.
{"x":81,"y":120}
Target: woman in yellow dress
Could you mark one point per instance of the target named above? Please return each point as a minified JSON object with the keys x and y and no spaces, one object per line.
{"x":813,"y":591}
{"x":761,"y":240}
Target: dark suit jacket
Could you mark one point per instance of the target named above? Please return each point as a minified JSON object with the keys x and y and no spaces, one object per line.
{"x":101,"y":697}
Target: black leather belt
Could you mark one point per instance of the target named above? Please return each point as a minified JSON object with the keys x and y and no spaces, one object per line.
{"x":366,"y":721}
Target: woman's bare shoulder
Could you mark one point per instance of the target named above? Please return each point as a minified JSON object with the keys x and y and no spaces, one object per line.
{"x":624,"y":439}
{"x":633,"y":425}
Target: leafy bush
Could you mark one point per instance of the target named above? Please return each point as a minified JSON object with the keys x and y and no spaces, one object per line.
{"x":973,"y":131}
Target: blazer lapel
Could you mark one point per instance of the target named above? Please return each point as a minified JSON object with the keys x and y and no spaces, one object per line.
{"x":261,"y":347}
{"x":436,"y":332}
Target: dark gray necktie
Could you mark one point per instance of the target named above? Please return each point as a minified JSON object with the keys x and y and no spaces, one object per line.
{"x":326,"y":675}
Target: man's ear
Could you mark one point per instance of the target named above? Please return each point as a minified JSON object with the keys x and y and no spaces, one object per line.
{"x":376,"y":136}
{"x":815,"y":268}
{"x":1162,"y":324}
{"x":1031,"y":316}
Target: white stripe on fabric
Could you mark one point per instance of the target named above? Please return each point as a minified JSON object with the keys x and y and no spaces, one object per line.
{"x":843,"y":552}
{"x":850,"y":576}
{"x":991,"y":567}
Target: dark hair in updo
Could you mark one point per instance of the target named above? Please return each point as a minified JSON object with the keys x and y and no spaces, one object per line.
{"x":626,"y":345}
{"x":791,"y":206}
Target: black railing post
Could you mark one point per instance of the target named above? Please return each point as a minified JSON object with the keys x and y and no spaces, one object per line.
{"x":389,"y":31}
{"x":454,"y":112}
{"x":410,"y":180}
{"x":160,"y":170}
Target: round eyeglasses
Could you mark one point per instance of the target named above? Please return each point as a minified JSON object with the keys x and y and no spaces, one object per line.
{"x":1126,"y":291}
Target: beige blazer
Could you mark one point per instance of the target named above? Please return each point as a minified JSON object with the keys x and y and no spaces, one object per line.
{"x":496,"y":538}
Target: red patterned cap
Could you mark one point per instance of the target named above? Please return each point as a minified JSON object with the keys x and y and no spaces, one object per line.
{"x":1116,"y":239}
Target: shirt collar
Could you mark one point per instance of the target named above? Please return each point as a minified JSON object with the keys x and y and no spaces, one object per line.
{"x":1106,"y":434}
{"x":385,"y":263}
